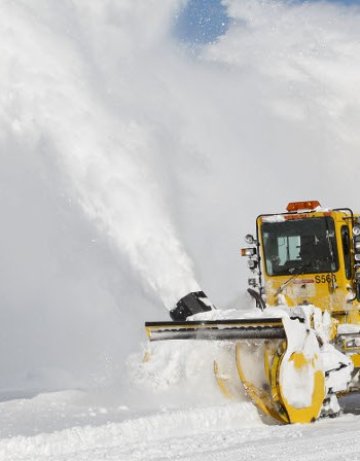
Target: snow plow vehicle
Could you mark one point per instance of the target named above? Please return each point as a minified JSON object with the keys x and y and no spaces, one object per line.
{"x":301,"y":350}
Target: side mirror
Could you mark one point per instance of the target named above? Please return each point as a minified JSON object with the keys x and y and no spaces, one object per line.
{"x":249,"y":239}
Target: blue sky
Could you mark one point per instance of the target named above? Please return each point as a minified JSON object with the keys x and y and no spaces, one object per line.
{"x":203,"y":21}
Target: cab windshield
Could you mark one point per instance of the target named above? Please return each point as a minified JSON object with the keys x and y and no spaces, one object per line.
{"x":299,"y":246}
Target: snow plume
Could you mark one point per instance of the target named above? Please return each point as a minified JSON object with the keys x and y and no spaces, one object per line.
{"x":170,"y":151}
{"x":110,"y":156}
{"x":74,"y":136}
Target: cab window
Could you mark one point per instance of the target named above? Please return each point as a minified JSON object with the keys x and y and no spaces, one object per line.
{"x":300,"y":246}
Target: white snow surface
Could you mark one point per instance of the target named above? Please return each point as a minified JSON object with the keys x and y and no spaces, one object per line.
{"x":217,"y":433}
{"x":130,"y":168}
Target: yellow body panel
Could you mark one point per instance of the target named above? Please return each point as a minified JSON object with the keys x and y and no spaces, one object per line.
{"x":356,"y":360}
{"x":331,"y":291}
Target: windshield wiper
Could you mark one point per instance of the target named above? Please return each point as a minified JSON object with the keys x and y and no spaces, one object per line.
{"x":299,"y":270}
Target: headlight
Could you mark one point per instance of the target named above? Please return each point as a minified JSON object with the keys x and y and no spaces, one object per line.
{"x":248,"y":251}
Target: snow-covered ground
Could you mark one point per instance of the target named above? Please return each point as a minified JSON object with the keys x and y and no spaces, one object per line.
{"x":131,"y":164}
{"x":72,"y":427}
{"x":173,"y":410}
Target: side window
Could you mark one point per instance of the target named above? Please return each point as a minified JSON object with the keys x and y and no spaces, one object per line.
{"x":345,"y":237}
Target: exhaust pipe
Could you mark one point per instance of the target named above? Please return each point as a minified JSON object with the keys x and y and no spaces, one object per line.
{"x":191,"y":304}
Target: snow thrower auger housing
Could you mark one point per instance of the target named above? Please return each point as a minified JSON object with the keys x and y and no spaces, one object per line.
{"x":302,"y":349}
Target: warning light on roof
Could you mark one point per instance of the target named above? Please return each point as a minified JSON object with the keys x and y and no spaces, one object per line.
{"x":309,"y":205}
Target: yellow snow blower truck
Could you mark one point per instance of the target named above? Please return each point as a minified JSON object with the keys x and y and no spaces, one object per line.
{"x":300,"y":350}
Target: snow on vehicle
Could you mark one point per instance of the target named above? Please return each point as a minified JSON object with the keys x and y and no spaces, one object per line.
{"x":302,"y":350}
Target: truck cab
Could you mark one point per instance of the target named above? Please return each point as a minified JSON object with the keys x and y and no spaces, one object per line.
{"x":308,"y":255}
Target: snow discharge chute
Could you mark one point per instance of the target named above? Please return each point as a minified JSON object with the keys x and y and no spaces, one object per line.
{"x":302,"y":349}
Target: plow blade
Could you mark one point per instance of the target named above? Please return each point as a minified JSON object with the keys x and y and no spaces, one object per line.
{"x":216,"y":330}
